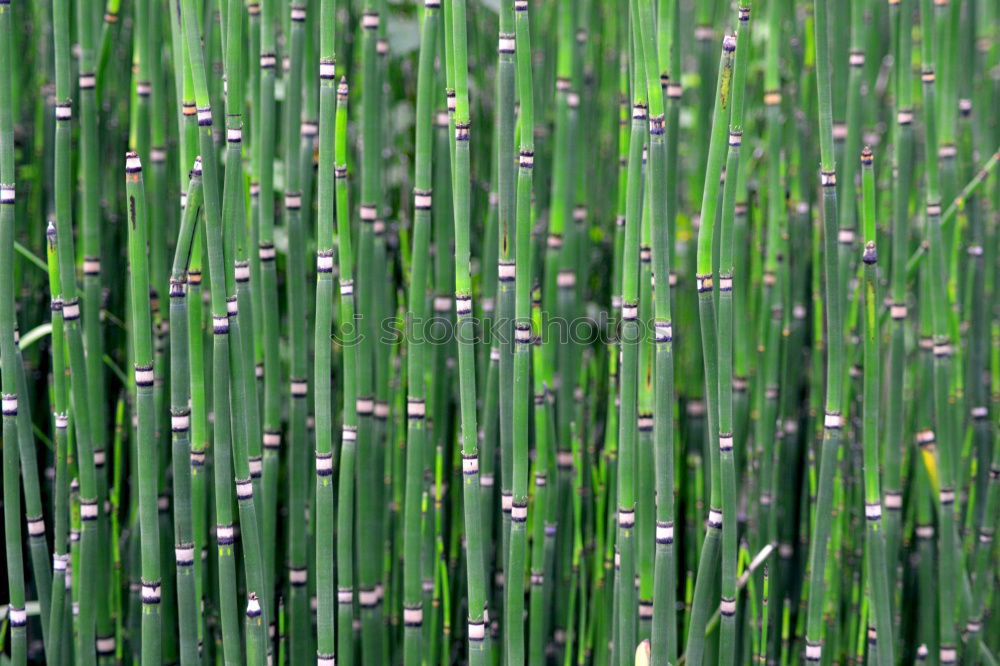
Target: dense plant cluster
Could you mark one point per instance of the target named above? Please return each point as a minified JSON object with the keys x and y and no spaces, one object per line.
{"x":500,"y":331}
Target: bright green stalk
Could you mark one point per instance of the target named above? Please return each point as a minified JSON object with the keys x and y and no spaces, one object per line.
{"x":189,"y":606}
{"x":325,"y":517}
{"x":466,"y":342}
{"x":199,"y":422}
{"x":727,"y":633}
{"x":417,"y":439}
{"x":878,"y":574}
{"x":60,"y":415}
{"x":345,"y":483}
{"x":704,"y":276}
{"x":523,"y":339}
{"x":542,"y":525}
{"x":833,"y":420}
{"x":147,"y":459}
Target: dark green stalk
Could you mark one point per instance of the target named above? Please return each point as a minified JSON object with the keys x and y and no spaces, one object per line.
{"x":147,"y":458}
{"x":222,"y":433}
{"x":417,"y":439}
{"x":349,"y":433}
{"x":476,"y":577}
{"x":297,"y":600}
{"x":90,"y":235}
{"x":369,"y":473}
{"x":271,"y":435}
{"x":948,"y":569}
{"x":325,"y":514}
{"x":832,"y":421}
{"x":189,"y":613}
{"x":90,"y":536}
{"x":628,"y":389}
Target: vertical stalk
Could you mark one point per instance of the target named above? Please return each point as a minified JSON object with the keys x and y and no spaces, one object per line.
{"x":148,"y":460}
{"x":60,"y":545}
{"x":727,"y":634}
{"x":349,"y":433}
{"x":631,"y":337}
{"x":297,"y":601}
{"x":709,"y":556}
{"x":523,"y":342}
{"x":189,"y":613}
{"x":832,"y":421}
{"x":271,"y":413}
{"x":222,"y":433}
{"x":476,"y":577}
{"x":417,"y":439}
{"x":325,"y":516}
{"x":902,"y":17}
{"x":878,"y":574}
{"x":369,"y":475}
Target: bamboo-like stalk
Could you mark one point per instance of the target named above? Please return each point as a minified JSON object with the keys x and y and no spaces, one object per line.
{"x":520,"y":42}
{"x":937,"y":281}
{"x":33,"y":509}
{"x":705,"y":270}
{"x":222,"y":433}
{"x":189,"y":613}
{"x":297,"y":601}
{"x":369,"y":474}
{"x":271,"y":413}
{"x":325,"y":517}
{"x":90,"y":237}
{"x":902,"y":19}
{"x":833,"y":419}
{"x":143,"y":359}
{"x":349,"y":433}
{"x":728,"y":475}
{"x":512,"y":539}
{"x":60,"y":417}
{"x":878,"y":574}
{"x":90,"y":546}
{"x":417,"y":440}
{"x":663,"y":643}
{"x":465,"y":334}
{"x":233,"y":287}
{"x":628,"y":410}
